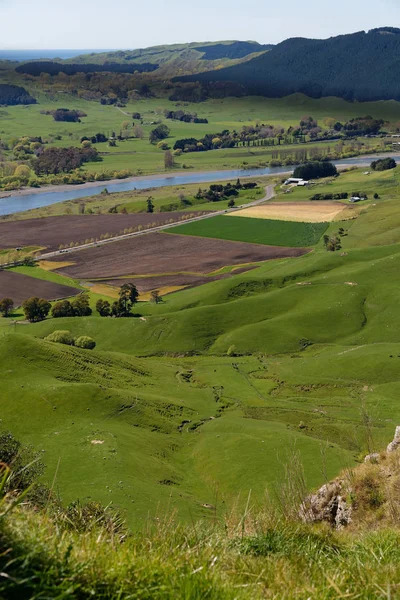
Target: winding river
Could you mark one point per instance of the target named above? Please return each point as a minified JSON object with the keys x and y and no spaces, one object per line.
{"x":20,"y":202}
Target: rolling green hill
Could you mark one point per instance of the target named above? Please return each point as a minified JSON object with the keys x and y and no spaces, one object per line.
{"x":197,"y":403}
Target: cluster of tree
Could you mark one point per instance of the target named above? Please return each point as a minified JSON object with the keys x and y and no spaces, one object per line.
{"x":6,"y":306}
{"x":65,"y":337}
{"x":66,"y":115}
{"x":36,"y":309}
{"x":161,"y":132}
{"x":180,"y":115}
{"x":63,"y":160}
{"x":36,"y":68}
{"x":356,"y":67}
{"x":314,"y":170}
{"x":217,"y":192}
{"x":128,"y":296}
{"x":76,"y":308}
{"x":211,"y":141}
{"x":200,"y":91}
{"x":333,"y":243}
{"x":13,"y":95}
{"x":383,"y":164}
{"x":98,"y":138}
{"x":338,"y":196}
{"x":360,"y":126}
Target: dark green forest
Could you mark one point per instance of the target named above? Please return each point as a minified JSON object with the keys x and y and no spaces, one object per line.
{"x":357,"y":67}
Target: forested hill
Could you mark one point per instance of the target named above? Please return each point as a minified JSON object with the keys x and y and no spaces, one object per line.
{"x":357,"y":67}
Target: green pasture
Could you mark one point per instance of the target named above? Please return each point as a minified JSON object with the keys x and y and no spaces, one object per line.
{"x":139,"y":156}
{"x":257,"y":231}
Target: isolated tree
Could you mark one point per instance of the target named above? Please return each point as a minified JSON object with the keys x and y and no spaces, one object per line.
{"x":36,"y":309}
{"x":231,"y":203}
{"x":81,"y":306}
{"x":150,"y":204}
{"x":103,"y":307}
{"x":159,"y":133}
{"x":6,"y":306}
{"x":168,"y":159}
{"x":326,"y":240}
{"x":156,"y":297}
{"x":62,"y":309}
{"x":128,"y":296}
{"x":138,"y":132}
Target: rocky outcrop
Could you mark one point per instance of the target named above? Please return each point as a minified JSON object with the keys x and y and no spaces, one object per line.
{"x":394,"y":445}
{"x":328,"y":504}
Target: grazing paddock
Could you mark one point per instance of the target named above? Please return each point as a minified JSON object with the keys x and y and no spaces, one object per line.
{"x":306,"y":212}
{"x":256,"y":231}
{"x":21,"y":287}
{"x":53,"y":231}
{"x":160,"y":253}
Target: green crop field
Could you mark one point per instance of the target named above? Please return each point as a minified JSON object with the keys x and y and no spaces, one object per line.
{"x":203,"y":398}
{"x":259,"y":231}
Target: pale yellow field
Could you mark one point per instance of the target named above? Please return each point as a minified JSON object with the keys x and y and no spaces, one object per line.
{"x":48,"y":265}
{"x":308,"y":212}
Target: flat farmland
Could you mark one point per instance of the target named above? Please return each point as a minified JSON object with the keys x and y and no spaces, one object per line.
{"x":21,"y":287}
{"x":306,"y":212}
{"x":163,"y":254}
{"x":259,"y":231}
{"x":50,"y":232}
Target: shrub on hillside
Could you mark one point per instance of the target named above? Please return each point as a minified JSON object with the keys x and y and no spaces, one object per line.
{"x":61,"y":337}
{"x":85,"y":342}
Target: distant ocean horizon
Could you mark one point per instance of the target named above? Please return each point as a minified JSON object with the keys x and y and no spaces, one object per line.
{"x":38,"y":54}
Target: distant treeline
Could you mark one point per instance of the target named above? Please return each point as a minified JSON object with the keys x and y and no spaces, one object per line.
{"x":357,"y":67}
{"x":53,"y":68}
{"x":233,"y":51}
{"x":13,"y":95}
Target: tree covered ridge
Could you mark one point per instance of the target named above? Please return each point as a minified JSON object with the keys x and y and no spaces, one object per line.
{"x":357,"y":67}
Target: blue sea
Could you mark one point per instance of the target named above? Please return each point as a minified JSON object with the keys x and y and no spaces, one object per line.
{"x":23,"y":55}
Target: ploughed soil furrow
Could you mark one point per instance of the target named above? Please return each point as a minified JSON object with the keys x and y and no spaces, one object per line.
{"x":158,"y":253}
{"x":50,"y":232}
{"x":21,"y":287}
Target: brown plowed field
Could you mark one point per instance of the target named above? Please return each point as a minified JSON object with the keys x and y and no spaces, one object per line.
{"x":160,"y":253}
{"x":21,"y":287}
{"x":148,"y":284}
{"x":50,"y":232}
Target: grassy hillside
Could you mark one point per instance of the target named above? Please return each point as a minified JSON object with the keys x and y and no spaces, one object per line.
{"x":198,"y":402}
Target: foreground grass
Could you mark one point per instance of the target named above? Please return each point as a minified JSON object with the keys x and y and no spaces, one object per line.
{"x":42,"y":558}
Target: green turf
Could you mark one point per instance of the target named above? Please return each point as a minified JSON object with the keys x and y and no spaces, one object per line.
{"x":257,"y":231}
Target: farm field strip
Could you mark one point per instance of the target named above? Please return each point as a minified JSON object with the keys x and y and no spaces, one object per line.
{"x":306,"y":212}
{"x":19,"y":287}
{"x":257,"y":231}
{"x":156,"y":253}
